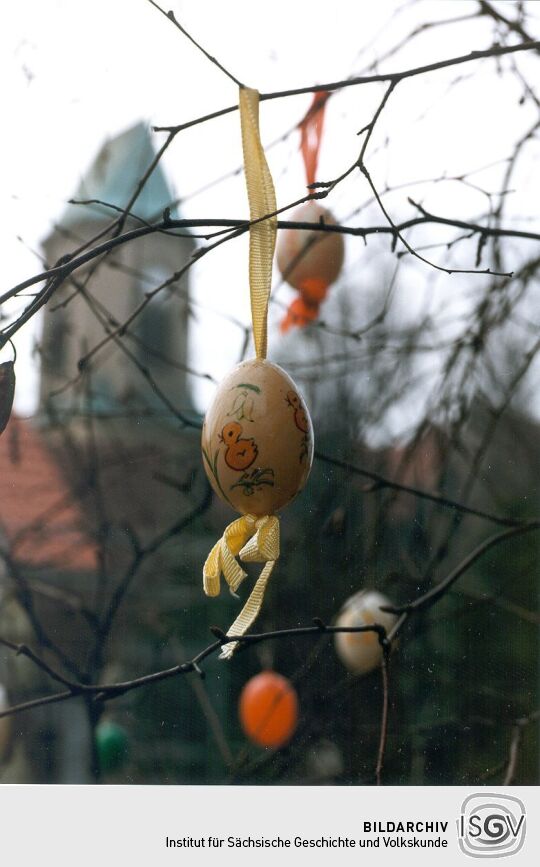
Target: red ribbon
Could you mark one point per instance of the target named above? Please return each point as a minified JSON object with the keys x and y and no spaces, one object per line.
{"x":311,"y":128}
{"x":305,"y":309}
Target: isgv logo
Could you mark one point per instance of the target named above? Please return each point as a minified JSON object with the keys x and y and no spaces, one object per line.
{"x":491,"y":826}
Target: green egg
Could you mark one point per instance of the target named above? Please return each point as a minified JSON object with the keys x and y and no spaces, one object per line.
{"x":112,"y":746}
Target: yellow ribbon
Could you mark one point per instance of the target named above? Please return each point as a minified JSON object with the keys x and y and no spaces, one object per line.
{"x":262,"y":201}
{"x":254,"y":540}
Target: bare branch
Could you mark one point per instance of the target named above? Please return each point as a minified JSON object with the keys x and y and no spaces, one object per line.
{"x":171,"y":16}
{"x":494,"y":51}
{"x":105,"y":692}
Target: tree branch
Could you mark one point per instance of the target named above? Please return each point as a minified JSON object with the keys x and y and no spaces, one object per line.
{"x":494,"y":51}
{"x":106,"y":692}
{"x":426,"y":600}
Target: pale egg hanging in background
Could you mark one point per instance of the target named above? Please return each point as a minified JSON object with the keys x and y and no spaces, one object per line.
{"x":361,"y":652}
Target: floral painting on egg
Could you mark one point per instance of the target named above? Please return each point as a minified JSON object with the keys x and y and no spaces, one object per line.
{"x":210,"y":465}
{"x":301,"y":421}
{"x":252,"y":481}
{"x":243,"y":403}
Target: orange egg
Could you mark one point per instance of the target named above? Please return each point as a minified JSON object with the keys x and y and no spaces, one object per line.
{"x":257,"y":439}
{"x":309,"y":260}
{"x":268,"y":709}
{"x":361,"y":652}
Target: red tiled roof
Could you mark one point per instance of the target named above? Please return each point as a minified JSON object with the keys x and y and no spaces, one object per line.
{"x":40,"y":521}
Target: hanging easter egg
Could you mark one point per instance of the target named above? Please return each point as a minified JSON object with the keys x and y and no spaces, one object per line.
{"x":6,"y":729}
{"x":112,"y":745}
{"x":310,"y":260}
{"x":361,"y":652}
{"x":7,"y":392}
{"x":257,"y":439}
{"x":268,"y":709}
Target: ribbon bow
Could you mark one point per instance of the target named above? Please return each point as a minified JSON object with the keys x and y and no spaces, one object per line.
{"x":253,"y":540}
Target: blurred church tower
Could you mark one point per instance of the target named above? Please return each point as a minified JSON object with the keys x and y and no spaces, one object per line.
{"x":157,"y":338}
{"x":106,"y":504}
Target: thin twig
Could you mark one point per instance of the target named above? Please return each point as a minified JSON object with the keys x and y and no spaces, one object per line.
{"x":171,"y":16}
{"x":515,"y":743}
{"x":384,"y":713}
{"x":433,"y":595}
{"x":381,"y":481}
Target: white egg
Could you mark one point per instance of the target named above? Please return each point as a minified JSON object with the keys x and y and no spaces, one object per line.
{"x":361,"y":652}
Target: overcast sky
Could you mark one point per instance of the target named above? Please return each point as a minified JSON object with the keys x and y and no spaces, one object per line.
{"x":75,"y":73}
